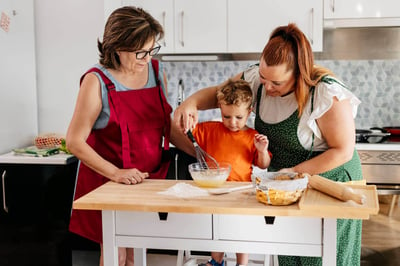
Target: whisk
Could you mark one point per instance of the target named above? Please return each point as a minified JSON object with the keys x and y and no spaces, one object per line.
{"x":203,"y":157}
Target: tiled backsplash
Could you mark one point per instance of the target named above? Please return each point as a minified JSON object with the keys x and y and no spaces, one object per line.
{"x":375,"y":82}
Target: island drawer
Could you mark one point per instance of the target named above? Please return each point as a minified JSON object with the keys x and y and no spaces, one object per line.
{"x":174,"y":225}
{"x":268,"y":228}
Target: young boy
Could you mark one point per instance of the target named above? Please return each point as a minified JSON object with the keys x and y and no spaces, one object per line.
{"x":233,"y":142}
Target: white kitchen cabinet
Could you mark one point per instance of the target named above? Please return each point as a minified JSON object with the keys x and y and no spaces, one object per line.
{"x":250,"y":23}
{"x":190,"y":26}
{"x":361,"y":13}
{"x":230,"y":26}
{"x":163,"y":11}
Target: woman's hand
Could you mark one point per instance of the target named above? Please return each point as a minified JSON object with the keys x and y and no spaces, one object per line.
{"x":186,"y":116}
{"x":130,"y":176}
{"x":287,"y":170}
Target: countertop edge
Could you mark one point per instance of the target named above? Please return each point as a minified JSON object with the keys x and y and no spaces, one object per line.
{"x":61,"y":158}
{"x":377,"y":147}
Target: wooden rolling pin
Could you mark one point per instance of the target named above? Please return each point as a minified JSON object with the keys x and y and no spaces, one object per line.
{"x":335,"y":189}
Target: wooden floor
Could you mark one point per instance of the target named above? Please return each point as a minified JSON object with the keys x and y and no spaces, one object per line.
{"x":381,"y":237}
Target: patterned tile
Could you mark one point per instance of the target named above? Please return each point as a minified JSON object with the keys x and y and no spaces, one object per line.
{"x":375,"y":82}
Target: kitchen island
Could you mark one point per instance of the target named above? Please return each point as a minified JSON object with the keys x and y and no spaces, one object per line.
{"x":139,"y":216}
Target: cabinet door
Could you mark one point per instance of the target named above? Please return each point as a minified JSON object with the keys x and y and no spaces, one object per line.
{"x":351,"y":9}
{"x":37,"y":194}
{"x":190,"y":26}
{"x":163,"y":12}
{"x":36,"y":205}
{"x":200,"y":26}
{"x":250,"y":23}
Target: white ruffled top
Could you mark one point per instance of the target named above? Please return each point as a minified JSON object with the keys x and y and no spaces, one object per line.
{"x":276,"y":109}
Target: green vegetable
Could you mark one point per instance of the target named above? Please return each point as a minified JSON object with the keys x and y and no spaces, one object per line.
{"x":63,"y":147}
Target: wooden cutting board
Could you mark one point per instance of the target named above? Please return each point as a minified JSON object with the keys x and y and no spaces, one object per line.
{"x":315,"y":200}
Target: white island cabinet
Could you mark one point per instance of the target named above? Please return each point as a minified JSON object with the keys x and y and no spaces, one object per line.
{"x":233,"y":222}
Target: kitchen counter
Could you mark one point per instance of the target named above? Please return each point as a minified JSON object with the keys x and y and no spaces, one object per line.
{"x":140,"y":217}
{"x":61,"y":158}
{"x":36,"y":200}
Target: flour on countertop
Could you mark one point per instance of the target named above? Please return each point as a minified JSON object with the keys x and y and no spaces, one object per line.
{"x":184,"y":190}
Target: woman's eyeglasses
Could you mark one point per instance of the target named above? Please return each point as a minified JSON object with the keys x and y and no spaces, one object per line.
{"x":142,"y":54}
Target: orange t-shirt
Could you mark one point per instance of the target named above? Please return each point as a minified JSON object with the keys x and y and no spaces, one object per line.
{"x":236,"y":148}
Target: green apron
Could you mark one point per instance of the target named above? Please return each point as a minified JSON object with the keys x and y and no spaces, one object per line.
{"x":287,"y":152}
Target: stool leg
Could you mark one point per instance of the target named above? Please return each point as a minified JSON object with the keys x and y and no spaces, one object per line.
{"x":392,"y":204}
{"x":188,"y":254}
{"x":266,"y":260}
{"x":179,"y":259}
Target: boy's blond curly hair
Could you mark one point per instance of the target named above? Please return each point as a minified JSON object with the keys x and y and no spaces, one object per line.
{"x":235,"y":92}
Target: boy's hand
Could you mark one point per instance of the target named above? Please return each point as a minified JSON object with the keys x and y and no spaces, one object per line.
{"x":261,"y":142}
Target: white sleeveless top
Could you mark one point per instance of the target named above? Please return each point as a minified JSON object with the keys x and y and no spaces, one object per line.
{"x":276,"y":109}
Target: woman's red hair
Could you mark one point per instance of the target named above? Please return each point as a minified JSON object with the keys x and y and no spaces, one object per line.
{"x":288,"y":45}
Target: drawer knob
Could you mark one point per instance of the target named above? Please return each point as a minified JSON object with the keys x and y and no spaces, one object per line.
{"x":163,"y":216}
{"x":269,"y":219}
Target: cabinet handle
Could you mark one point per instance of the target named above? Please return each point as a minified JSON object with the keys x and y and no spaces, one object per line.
{"x":164,"y":14}
{"x":176,"y":166}
{"x":3,"y":183}
{"x":182,"y":39}
{"x":312,"y":27}
{"x":163,"y":216}
{"x":269,"y":219}
{"x":333,"y":6}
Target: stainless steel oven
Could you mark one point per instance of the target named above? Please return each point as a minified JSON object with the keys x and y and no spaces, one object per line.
{"x":381,"y":167}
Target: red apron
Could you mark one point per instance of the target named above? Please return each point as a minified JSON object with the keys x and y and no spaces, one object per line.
{"x":132,"y":139}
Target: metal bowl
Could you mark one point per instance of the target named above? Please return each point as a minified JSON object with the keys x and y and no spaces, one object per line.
{"x":371,"y":136}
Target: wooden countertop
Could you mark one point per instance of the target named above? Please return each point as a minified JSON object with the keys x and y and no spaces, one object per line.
{"x":145,"y":197}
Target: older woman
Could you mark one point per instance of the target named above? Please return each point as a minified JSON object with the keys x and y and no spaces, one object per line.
{"x":121,"y":116}
{"x":308,"y":116}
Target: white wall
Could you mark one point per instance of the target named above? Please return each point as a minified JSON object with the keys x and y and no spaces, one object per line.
{"x":66,"y":46}
{"x":18,"y":101}
{"x":49,"y":45}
